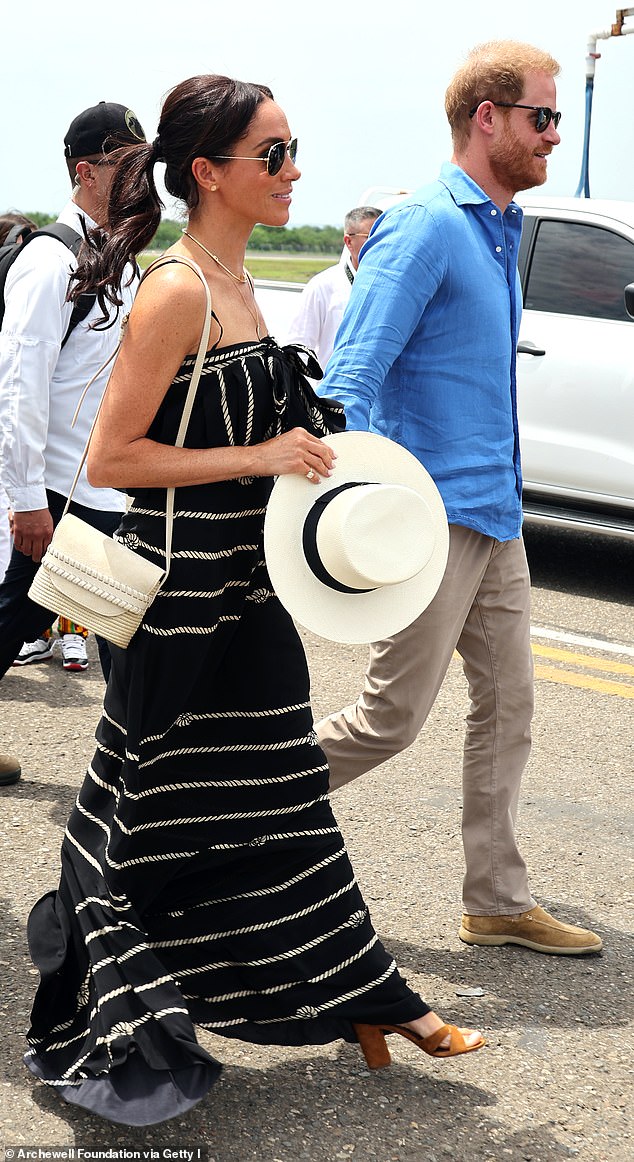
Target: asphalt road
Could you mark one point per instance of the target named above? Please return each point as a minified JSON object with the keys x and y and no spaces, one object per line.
{"x":555,"y":1080}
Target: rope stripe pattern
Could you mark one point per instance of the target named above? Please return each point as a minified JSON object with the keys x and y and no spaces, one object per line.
{"x":205,"y":880}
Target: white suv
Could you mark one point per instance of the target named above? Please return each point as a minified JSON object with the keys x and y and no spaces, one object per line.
{"x":575,"y":363}
{"x":575,"y":360}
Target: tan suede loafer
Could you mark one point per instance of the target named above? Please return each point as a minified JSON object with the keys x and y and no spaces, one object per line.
{"x":9,"y":770}
{"x":535,"y":929}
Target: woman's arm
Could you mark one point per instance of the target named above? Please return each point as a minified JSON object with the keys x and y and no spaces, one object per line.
{"x":164,"y":326}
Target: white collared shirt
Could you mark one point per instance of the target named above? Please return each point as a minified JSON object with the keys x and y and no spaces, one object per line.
{"x":321,"y":307}
{"x":41,"y":383}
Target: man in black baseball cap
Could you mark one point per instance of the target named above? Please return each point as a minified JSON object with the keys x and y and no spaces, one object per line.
{"x":91,"y":136}
{"x":48,"y":352}
{"x":101,"y":129}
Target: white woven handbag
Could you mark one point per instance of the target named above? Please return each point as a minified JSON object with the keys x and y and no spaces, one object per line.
{"x":90,"y":577}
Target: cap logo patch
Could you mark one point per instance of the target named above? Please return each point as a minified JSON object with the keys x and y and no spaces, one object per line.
{"x":133,"y":125}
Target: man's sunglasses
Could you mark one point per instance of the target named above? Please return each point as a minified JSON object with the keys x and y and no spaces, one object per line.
{"x":274,"y":158}
{"x":544,"y":114}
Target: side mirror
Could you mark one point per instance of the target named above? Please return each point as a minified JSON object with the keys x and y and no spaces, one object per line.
{"x":628,"y":295}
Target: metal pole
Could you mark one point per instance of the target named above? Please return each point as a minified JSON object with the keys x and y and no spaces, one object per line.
{"x":583,"y":189}
{"x":617,"y":29}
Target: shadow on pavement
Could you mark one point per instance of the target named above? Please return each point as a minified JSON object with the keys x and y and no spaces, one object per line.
{"x":60,"y":798}
{"x":54,"y":687}
{"x":325,"y":1110}
{"x":580,"y":563}
{"x":530,"y":988}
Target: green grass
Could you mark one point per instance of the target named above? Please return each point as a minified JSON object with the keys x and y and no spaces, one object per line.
{"x":278,"y":267}
{"x":288,"y":267}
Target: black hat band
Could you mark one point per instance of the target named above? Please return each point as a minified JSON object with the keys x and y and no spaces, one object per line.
{"x":309,"y":539}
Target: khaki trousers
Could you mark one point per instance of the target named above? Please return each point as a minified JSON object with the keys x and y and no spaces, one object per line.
{"x":482,"y":609}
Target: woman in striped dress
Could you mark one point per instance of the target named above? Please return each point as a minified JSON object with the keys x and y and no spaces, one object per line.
{"x":204,"y":878}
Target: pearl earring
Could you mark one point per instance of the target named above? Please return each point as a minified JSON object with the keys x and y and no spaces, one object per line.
{"x":213,"y":188}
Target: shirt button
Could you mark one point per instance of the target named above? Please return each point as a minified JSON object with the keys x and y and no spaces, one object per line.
{"x":498,"y":249}
{"x":493,"y":213}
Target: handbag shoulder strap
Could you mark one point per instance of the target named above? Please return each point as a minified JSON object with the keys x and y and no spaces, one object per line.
{"x":189,"y":399}
{"x":165,"y":260}
{"x":191,"y":393}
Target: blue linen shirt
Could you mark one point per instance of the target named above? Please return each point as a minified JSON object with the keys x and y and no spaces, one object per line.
{"x":427,"y":346}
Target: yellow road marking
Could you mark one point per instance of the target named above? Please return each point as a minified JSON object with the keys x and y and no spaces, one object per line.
{"x":581,"y":681}
{"x":568,"y":678}
{"x":584,"y":660}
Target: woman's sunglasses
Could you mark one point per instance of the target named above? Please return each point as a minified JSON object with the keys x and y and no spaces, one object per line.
{"x":274,"y":158}
{"x":542,"y":120}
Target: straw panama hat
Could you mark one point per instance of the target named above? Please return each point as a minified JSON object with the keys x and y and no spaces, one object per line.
{"x":358,"y":557}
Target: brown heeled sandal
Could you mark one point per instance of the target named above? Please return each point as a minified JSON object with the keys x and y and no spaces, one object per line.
{"x":371,"y":1038}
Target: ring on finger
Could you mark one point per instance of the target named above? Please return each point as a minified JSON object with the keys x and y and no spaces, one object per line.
{"x":310,"y":474}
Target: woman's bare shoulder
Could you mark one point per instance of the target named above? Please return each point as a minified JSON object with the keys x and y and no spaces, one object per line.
{"x":170,"y":300}
{"x":172,"y":281}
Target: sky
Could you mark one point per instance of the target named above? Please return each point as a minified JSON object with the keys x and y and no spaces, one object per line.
{"x":363,"y":93}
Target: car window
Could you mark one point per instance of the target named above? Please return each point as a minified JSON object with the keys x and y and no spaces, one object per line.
{"x":577,"y":269}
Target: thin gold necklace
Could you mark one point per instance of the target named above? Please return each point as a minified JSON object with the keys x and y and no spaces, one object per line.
{"x":254,"y":317}
{"x":236,"y":277}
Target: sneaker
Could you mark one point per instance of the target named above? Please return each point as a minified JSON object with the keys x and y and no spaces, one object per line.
{"x":74,"y":656}
{"x":35,"y":651}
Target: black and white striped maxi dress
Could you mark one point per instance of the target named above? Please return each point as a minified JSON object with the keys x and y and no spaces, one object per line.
{"x":204,"y":878}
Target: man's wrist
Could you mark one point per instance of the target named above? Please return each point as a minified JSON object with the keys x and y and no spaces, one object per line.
{"x":30,"y":499}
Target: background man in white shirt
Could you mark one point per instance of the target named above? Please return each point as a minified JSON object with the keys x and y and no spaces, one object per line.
{"x":41,"y":381}
{"x":324,"y":298}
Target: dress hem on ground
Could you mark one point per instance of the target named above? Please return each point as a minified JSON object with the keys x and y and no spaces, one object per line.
{"x":133,"y":1094}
